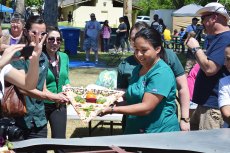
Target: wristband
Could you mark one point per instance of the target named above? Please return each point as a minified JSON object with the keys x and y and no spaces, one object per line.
{"x":186,"y":120}
{"x":195,"y":49}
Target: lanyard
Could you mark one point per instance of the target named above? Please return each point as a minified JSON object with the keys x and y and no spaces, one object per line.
{"x":55,"y":68}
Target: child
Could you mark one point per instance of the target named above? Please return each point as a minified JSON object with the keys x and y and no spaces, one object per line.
{"x":224,"y":90}
{"x":175,"y":32}
{"x":191,"y":78}
{"x":182,"y":38}
{"x":190,"y":58}
{"x":106,"y":30}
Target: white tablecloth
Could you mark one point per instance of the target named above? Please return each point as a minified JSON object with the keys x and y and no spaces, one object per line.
{"x":71,"y":114}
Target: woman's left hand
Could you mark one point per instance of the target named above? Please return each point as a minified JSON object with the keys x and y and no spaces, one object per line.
{"x":61,"y":98}
{"x":184,"y":126}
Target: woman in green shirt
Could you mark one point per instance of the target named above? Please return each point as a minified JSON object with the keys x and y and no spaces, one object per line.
{"x":151,"y":93}
{"x":57,"y":77}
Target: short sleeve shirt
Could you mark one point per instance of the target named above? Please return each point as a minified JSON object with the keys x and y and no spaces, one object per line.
{"x":174,"y":63}
{"x":125,"y":68}
{"x":224,"y":92}
{"x":158,"y":80}
{"x":35,"y":107}
{"x":122,"y":26}
{"x":206,"y":87}
{"x":93,"y":28}
{"x":191,"y":28}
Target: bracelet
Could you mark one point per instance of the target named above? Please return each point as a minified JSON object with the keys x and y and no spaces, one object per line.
{"x":186,"y":120}
{"x":111,"y":109}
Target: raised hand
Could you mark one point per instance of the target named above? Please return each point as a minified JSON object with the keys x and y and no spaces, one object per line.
{"x":37,"y":42}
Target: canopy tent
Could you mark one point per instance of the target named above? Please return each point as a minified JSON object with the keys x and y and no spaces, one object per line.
{"x":183,"y":16}
{"x":188,"y":10}
{"x":5,"y":9}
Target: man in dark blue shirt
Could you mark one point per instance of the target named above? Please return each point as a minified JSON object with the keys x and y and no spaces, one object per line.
{"x":207,"y":115}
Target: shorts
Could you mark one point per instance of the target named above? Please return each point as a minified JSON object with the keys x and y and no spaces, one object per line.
{"x":90,"y":43}
{"x":206,"y":118}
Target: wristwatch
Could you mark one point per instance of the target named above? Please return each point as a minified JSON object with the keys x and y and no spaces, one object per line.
{"x":186,"y":120}
{"x":195,"y":49}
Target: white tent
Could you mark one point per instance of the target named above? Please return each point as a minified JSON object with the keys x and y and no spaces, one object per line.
{"x":188,"y":10}
{"x":183,"y":16}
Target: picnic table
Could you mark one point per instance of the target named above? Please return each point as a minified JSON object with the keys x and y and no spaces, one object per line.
{"x":175,"y":41}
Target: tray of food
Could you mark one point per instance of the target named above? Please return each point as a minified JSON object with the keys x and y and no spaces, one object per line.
{"x":90,"y":101}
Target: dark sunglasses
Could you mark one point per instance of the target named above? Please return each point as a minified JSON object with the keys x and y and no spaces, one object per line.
{"x":52,"y":40}
{"x":42,"y":34}
{"x":204,"y":16}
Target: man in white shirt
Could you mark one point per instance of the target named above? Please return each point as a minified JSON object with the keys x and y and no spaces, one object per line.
{"x":224,"y":90}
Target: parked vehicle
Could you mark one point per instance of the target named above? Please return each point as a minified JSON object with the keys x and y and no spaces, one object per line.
{"x":144,"y":19}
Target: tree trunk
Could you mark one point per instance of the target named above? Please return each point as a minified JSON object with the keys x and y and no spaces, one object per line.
{"x":127,"y":9}
{"x":20,"y":6}
{"x":51,"y":12}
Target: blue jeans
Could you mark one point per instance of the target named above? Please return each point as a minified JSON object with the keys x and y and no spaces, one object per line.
{"x":106,"y":44}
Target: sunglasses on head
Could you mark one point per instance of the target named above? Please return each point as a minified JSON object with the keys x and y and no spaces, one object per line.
{"x":52,"y":40}
{"x":42,"y":33}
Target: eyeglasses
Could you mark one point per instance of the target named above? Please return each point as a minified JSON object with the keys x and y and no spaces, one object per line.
{"x":52,"y":40}
{"x":204,"y":16}
{"x":15,"y":22}
{"x":42,"y":33}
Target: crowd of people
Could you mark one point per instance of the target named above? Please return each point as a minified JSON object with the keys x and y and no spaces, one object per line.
{"x":93,"y":32}
{"x":151,"y":76}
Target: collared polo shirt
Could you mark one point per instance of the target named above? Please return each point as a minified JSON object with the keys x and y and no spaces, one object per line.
{"x":35,"y":107}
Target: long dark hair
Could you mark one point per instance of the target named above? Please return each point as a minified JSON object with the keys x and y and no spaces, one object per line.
{"x":161,"y":22}
{"x":31,"y":20}
{"x":126,"y":20}
{"x":48,"y":30}
{"x":153,"y":37}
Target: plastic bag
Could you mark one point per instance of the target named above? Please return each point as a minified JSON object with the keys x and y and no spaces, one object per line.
{"x":108,"y":79}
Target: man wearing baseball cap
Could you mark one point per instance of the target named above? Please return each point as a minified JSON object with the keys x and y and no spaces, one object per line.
{"x":192,"y":27}
{"x":214,"y":18}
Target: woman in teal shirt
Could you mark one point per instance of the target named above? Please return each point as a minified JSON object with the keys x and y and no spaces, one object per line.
{"x":57,"y":77}
{"x":151,"y":93}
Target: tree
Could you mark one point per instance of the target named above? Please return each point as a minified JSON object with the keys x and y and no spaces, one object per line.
{"x":128,"y":9}
{"x":51,"y":12}
{"x":148,"y":5}
{"x":34,"y":2}
{"x":20,"y":6}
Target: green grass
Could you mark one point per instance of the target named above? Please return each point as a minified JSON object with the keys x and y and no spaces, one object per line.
{"x":5,"y":26}
{"x":182,"y":58}
{"x":103,"y":57}
{"x":83,"y":76}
